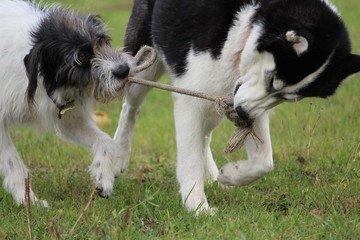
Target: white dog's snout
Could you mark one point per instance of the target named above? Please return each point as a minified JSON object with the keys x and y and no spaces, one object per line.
{"x":121,"y":71}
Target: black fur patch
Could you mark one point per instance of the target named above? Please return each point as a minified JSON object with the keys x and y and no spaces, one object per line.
{"x":176,"y":26}
{"x":62,"y":49}
{"x":326,"y":35}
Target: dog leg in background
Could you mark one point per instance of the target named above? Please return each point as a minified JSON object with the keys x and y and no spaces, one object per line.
{"x":211,"y":169}
{"x":194,"y":120}
{"x":130,"y":110}
{"x":13,"y":169}
{"x":260,"y":159}
{"x":83,"y":131}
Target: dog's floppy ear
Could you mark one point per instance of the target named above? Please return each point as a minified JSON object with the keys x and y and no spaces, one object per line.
{"x":298,"y":42}
{"x":31,"y":62}
{"x":352,"y":65}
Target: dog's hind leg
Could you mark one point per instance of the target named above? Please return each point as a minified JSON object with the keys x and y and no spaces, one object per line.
{"x":260,"y":159}
{"x":194,"y":120}
{"x":13,"y":169}
{"x":130,"y":110}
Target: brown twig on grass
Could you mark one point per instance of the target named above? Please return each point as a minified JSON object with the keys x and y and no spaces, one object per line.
{"x":84,"y":209}
{"x":136,"y":199}
{"x":28,"y":205}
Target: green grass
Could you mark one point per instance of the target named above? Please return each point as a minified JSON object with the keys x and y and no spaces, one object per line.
{"x":316,"y":147}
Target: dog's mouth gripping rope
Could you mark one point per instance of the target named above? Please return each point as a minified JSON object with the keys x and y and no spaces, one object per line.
{"x":223,"y":104}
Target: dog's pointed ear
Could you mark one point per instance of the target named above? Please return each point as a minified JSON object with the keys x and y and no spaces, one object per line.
{"x":352,"y":65}
{"x":31,"y":62}
{"x":298,"y":42}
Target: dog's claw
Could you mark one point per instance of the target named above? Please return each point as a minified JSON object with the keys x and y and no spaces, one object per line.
{"x":102,"y":194}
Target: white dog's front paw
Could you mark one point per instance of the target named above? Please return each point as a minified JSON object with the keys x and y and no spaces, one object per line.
{"x":121,"y":164}
{"x":242,"y":173}
{"x":103,"y":180}
{"x":104,"y":185}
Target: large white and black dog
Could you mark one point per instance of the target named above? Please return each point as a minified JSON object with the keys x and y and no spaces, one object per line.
{"x":264,"y":51}
{"x":53,"y":59}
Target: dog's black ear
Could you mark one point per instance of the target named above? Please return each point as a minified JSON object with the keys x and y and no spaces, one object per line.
{"x":352,"y":65}
{"x":299,"y":43}
{"x":31,"y":62}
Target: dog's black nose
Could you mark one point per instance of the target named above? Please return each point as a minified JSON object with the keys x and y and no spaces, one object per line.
{"x":122,"y":71}
{"x":241,"y":112}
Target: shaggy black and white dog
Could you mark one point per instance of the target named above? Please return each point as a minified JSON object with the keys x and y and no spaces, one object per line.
{"x":264,"y":51}
{"x":53,"y":59}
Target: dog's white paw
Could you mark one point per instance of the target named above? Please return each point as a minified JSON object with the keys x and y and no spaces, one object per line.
{"x":40,"y":203}
{"x":103,"y":180}
{"x":104,"y":185}
{"x":121,"y":164}
{"x":37,"y":202}
{"x":242,"y":173}
{"x":20,"y":200}
{"x":44,"y":203}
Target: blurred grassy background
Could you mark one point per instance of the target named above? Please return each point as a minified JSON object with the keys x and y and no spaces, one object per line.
{"x":313,"y":192}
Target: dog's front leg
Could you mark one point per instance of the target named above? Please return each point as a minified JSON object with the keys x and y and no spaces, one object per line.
{"x":194,"y":120}
{"x":129,"y":113}
{"x":84,"y":131}
{"x":260,"y":159}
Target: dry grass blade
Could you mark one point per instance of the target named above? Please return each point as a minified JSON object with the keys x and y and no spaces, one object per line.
{"x":28,"y":206}
{"x":84,"y":209}
{"x":128,"y":212}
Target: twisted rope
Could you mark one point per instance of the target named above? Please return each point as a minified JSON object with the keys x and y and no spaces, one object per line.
{"x":224,"y":105}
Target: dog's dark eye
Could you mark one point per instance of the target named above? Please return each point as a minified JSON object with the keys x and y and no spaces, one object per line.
{"x":83,"y":58}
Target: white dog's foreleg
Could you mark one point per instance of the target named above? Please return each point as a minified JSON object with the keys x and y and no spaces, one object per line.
{"x":84,"y":131}
{"x":13,"y":169}
{"x":194,"y":122}
{"x":130,"y":110}
{"x":260,"y":159}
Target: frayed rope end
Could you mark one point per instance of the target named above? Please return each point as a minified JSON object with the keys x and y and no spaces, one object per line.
{"x":225,"y":106}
